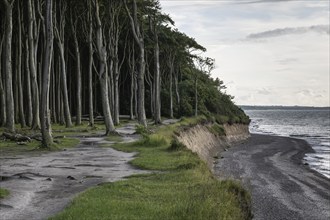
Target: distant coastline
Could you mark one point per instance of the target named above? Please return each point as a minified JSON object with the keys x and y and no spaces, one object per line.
{"x":280,"y":107}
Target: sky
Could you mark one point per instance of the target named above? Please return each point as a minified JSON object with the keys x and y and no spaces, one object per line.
{"x":267,"y":52}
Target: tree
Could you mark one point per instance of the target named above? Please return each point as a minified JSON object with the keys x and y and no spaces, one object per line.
{"x":138,"y":36}
{"x":103,"y":74}
{"x":45,"y":112}
{"x":78,"y":68}
{"x":19,"y":68}
{"x":33,"y":66}
{"x":59,"y":35}
{"x":10,"y":121}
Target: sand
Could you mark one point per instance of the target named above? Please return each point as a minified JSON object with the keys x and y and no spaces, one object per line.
{"x":282,"y":185}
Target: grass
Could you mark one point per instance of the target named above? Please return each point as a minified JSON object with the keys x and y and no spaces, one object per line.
{"x":185,"y":190}
{"x":3,"y":193}
{"x":217,"y":130}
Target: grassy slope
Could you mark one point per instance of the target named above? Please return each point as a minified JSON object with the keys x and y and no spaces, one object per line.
{"x":186,"y":190}
{"x":3,"y":193}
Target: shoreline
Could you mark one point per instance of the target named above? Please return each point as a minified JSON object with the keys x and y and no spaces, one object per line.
{"x":282,"y":187}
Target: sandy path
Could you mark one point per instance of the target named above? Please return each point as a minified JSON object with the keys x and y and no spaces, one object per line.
{"x":282,"y":187}
{"x":43,"y":185}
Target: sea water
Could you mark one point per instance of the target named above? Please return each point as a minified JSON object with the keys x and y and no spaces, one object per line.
{"x":310,"y":124}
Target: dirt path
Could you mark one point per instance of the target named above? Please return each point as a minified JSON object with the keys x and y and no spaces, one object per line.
{"x":41,"y":186}
{"x":282,"y":187}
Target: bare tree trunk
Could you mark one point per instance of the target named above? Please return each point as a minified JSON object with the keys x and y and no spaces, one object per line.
{"x":131,"y":61}
{"x":59,"y":34}
{"x":19,"y":72}
{"x":78,"y":72}
{"x":47,"y":139}
{"x":67,"y":114}
{"x":33,"y":69}
{"x":140,"y":78}
{"x":28,"y":85}
{"x":157,"y":116}
{"x":2,"y":92}
{"x":90,"y":66}
{"x":10,"y":120}
{"x":103,"y":73}
{"x":171,"y":91}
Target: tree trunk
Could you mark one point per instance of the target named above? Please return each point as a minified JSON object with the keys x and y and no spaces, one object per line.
{"x":19,"y":72}
{"x":116,"y":92}
{"x":78,"y":72}
{"x":45,"y":113}
{"x":10,"y":120}
{"x":103,"y":74}
{"x":157,"y":116}
{"x":171,"y":91}
{"x":2,"y":92}
{"x":140,"y":78}
{"x":28,"y":85}
{"x":67,"y":114}
{"x":90,"y":66}
{"x":131,"y":64}
{"x":33,"y":69}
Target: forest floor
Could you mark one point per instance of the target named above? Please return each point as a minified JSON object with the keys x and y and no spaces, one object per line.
{"x":42,"y":184}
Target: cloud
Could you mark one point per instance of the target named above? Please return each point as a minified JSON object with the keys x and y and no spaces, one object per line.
{"x":264,"y":91}
{"x":287,"y":61}
{"x":322,"y":29}
{"x":262,"y":1}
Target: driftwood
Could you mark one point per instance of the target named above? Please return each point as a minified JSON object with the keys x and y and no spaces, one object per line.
{"x":16,"y":137}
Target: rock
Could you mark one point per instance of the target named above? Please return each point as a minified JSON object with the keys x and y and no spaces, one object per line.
{"x":21,"y":143}
{"x":71,"y":178}
{"x":306,"y":163}
{"x":49,"y":179}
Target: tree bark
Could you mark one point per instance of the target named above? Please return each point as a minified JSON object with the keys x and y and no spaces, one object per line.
{"x":10,"y":119}
{"x":78,"y":73}
{"x":2,"y":91}
{"x":140,"y":77}
{"x":29,"y":112}
{"x":90,"y":65}
{"x":19,"y":70}
{"x":157,"y":113}
{"x":59,"y":34}
{"x":33,"y":69}
{"x":171,"y":90}
{"x":101,"y":49}
{"x":47,"y":139}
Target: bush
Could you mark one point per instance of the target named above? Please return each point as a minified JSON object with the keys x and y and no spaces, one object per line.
{"x":221,"y":119}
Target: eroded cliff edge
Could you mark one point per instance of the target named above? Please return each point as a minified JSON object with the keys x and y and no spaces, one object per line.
{"x":207,"y":144}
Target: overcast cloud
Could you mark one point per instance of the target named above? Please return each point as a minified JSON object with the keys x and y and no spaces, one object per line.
{"x":267,"y":52}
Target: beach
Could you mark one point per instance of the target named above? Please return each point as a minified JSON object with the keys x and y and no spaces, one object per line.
{"x":282,"y":185}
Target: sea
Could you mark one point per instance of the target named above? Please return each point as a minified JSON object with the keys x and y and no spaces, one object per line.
{"x":307,"y":123}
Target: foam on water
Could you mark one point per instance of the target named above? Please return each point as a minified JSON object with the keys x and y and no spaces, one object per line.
{"x":312,"y":125}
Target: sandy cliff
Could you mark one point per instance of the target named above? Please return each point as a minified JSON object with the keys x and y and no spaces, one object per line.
{"x":207,"y":145}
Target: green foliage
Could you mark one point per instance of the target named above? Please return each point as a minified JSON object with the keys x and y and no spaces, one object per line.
{"x":3,"y":193}
{"x":217,"y":130}
{"x":221,"y":119}
{"x":176,"y":145}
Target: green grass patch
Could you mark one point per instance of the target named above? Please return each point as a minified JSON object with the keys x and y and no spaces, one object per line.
{"x":186,"y":190}
{"x":217,"y":130}
{"x":3,"y":193}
